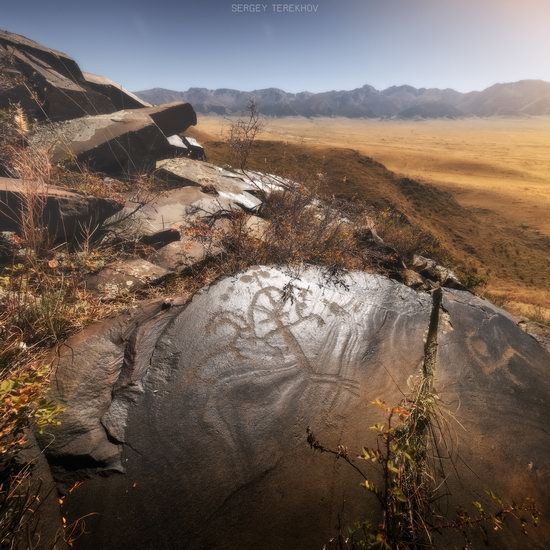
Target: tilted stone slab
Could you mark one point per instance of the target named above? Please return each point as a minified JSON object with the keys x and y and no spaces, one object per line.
{"x":185,"y":171}
{"x":53,"y":76}
{"x":268,"y":183}
{"x":61,"y":98}
{"x":57,"y":60}
{"x":69,"y":216}
{"x":177,"y":209}
{"x":125,"y":141}
{"x":172,"y":118}
{"x":204,"y":407}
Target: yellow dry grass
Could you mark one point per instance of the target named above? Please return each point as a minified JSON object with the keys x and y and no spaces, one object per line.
{"x":498,"y":169}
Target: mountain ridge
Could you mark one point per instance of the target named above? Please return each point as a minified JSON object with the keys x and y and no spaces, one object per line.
{"x":521,"y":98}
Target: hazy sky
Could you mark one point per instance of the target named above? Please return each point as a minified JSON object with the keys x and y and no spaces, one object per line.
{"x":462,"y":44}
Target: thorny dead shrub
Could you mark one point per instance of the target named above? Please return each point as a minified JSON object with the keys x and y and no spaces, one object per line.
{"x":296,"y":229}
{"x":242,"y":134}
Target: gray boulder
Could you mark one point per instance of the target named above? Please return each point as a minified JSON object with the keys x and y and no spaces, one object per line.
{"x":189,"y":252}
{"x":227,"y":185}
{"x":176,"y":210}
{"x":67,"y":215}
{"x":200,"y":409}
{"x":122,"y":276}
{"x":437,"y":273}
{"x":125,"y":141}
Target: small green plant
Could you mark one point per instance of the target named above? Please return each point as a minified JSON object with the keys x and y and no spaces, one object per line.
{"x":22,"y":403}
{"x":473,"y":280}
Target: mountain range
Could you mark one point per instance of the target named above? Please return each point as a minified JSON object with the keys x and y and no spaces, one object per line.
{"x":523,"y":98}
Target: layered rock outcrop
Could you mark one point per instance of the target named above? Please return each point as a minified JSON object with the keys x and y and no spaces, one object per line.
{"x":87,"y":118}
{"x":50,"y":85}
{"x":205,"y":194}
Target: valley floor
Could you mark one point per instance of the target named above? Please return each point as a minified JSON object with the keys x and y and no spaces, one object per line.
{"x":497,"y":169}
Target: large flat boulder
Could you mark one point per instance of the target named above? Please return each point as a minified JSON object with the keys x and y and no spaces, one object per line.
{"x":125,"y":141}
{"x":177,"y":209}
{"x":67,"y":215}
{"x":49,"y":84}
{"x":226,"y":184}
{"x":202,"y":408}
{"x":123,"y":276}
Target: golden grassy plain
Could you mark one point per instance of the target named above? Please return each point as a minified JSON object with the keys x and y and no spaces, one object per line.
{"x":498,"y":171}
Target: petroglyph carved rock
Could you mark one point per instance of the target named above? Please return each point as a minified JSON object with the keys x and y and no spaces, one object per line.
{"x":204,"y":407}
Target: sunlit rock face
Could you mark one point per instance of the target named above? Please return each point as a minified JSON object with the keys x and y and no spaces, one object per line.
{"x":122,"y":142}
{"x":196,"y":414}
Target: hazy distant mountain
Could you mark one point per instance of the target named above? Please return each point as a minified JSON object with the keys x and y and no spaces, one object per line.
{"x":527,"y":97}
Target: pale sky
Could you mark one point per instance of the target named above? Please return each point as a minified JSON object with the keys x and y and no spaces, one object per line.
{"x":344,"y":44}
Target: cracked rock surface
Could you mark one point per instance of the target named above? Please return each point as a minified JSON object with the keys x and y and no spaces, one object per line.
{"x":196,"y":414}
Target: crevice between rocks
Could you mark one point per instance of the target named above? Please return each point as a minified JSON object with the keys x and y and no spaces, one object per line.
{"x":430,"y":347}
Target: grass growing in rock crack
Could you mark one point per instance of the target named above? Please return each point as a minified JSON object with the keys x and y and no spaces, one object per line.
{"x":405,"y":473}
{"x":398,"y":472}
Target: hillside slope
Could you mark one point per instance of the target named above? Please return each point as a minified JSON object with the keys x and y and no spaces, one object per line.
{"x":479,"y":244}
